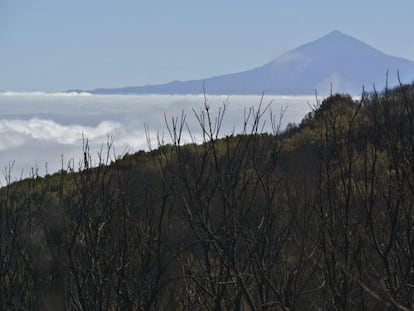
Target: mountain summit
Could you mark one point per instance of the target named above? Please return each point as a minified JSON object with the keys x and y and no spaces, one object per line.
{"x":335,"y":60}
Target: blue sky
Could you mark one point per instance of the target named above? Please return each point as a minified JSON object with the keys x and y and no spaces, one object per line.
{"x":52,"y":45}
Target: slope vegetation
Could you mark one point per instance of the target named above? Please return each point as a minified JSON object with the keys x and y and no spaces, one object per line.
{"x":317,"y":217}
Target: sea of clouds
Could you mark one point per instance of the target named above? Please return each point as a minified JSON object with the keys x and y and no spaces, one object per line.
{"x":42,"y":132}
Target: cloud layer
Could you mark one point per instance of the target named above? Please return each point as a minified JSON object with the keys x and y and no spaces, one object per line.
{"x":38,"y":129}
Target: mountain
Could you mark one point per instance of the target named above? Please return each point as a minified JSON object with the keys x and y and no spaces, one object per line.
{"x":336,"y":58}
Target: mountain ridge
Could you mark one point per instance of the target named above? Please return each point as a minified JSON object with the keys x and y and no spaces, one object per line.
{"x":334,"y":60}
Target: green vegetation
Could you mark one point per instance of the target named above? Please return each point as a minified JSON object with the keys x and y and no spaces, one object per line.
{"x":319,"y":217}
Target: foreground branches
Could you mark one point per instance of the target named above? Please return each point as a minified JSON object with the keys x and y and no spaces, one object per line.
{"x":318,"y":217}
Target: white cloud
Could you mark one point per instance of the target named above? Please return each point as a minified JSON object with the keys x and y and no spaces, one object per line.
{"x":16,"y":132}
{"x":44,"y":94}
{"x":37,"y":128}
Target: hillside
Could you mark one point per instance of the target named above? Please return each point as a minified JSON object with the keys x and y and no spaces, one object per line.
{"x":319,"y":216}
{"x":336,"y":58}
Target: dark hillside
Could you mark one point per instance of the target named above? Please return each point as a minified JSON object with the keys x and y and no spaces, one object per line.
{"x":319,"y":217}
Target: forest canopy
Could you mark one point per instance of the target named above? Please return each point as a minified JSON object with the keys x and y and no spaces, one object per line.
{"x":319,"y":216}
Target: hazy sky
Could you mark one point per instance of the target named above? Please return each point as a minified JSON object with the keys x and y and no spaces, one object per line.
{"x":52,"y":45}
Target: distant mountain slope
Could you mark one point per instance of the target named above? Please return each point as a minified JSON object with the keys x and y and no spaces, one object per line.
{"x":335,"y":58}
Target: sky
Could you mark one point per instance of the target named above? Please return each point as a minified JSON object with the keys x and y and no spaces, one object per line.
{"x":56,"y":45}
